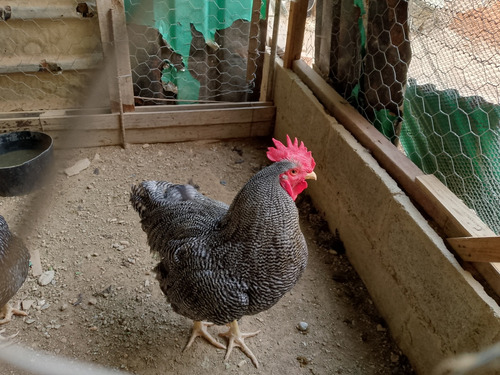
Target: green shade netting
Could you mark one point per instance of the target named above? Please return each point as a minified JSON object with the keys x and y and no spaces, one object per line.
{"x":457,"y":139}
{"x":173,"y":18}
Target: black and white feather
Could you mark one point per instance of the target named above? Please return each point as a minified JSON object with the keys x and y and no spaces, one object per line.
{"x":14,"y":263}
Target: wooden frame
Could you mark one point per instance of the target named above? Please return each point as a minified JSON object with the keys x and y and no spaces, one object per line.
{"x":72,"y":128}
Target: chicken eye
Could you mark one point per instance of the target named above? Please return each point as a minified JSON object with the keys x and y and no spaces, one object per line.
{"x":293,"y":172}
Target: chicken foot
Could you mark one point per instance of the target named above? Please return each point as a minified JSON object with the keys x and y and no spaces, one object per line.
{"x":236,"y":338}
{"x":7,"y":311}
{"x":200,"y":330}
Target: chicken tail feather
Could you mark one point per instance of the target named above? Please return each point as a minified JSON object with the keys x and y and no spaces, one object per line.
{"x":149,"y":195}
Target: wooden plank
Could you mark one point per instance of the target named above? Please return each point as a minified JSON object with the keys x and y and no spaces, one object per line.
{"x":253,"y":42}
{"x":198,"y":118}
{"x":476,"y":249}
{"x":274,"y":47}
{"x":64,"y":139}
{"x":19,"y":124}
{"x":105,"y":28}
{"x":30,"y":11}
{"x":449,"y":211}
{"x":176,"y":133}
{"x":122,"y":57}
{"x":101,"y":129}
{"x":190,"y":107}
{"x":72,"y":123}
{"x":115,"y":61}
{"x":323,"y":42}
{"x":295,"y":33}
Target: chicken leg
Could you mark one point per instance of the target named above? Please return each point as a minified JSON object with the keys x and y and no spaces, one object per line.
{"x":236,"y":338}
{"x":7,"y":311}
{"x":200,"y":329}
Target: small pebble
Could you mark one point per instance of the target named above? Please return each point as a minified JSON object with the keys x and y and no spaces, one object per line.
{"x":394,"y":357}
{"x":27,"y":303}
{"x":380,"y":328}
{"x":46,"y":277}
{"x":77,"y":167}
{"x":242,"y":363}
{"x":303,"y":326}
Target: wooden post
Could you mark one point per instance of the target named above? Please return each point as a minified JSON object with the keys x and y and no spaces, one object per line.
{"x":274,"y":48}
{"x":116,"y":52}
{"x":323,"y":42}
{"x":256,"y":47}
{"x":295,"y":33}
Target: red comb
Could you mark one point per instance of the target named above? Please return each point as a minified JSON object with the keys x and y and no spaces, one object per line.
{"x":292,"y":151}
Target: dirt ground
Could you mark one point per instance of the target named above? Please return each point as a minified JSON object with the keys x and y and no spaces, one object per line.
{"x":104,"y":305}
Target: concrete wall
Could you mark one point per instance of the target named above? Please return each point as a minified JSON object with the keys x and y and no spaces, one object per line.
{"x":433,"y":307}
{"x":50,"y":54}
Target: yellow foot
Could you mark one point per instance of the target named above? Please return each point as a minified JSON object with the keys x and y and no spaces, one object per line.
{"x":200,"y":330}
{"x":236,"y":338}
{"x":7,"y":311}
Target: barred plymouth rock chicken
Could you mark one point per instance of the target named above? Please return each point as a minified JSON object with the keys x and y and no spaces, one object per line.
{"x":14,"y":266}
{"x":218,"y":262}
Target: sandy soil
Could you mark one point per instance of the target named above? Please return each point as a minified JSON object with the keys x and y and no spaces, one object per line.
{"x":104,"y":305}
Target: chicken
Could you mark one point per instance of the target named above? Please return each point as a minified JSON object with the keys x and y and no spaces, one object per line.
{"x":14,"y":266}
{"x":217,"y":262}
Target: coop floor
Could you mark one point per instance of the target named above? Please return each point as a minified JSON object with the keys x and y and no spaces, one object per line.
{"x":104,"y":304}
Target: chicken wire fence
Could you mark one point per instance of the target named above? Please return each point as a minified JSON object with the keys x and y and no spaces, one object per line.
{"x":196,"y":50}
{"x":180,"y":52}
{"x":49,"y":53}
{"x":426,"y":73}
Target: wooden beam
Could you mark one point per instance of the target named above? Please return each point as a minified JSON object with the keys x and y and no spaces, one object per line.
{"x":76,"y":128}
{"x":295,"y":32}
{"x":122,"y":56}
{"x":191,"y":107}
{"x":324,"y":37}
{"x":476,"y":249}
{"x":255,"y":47}
{"x":449,"y":211}
{"x":198,"y":118}
{"x":114,"y":39}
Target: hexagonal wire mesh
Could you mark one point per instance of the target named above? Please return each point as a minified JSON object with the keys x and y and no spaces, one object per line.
{"x":196,"y":50}
{"x":49,"y":55}
{"x":427,"y":75}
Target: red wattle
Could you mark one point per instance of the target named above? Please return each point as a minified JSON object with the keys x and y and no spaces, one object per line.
{"x":295,"y":190}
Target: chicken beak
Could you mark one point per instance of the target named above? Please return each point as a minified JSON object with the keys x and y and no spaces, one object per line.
{"x":311,"y":176}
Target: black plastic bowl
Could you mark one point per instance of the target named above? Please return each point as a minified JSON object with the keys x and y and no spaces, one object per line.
{"x":25,"y":162}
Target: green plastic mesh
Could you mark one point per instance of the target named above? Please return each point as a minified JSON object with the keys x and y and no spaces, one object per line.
{"x":457,"y":139}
